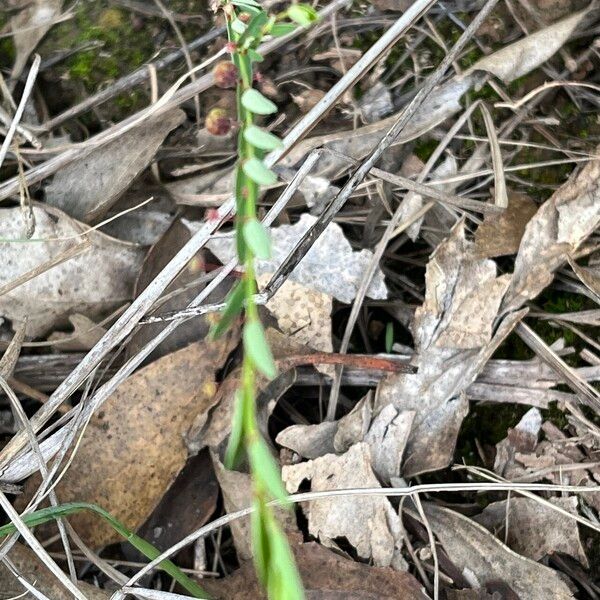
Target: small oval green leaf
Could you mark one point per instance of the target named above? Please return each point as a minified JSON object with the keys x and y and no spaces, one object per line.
{"x":258,"y":172}
{"x":257,"y":348}
{"x":256,"y":103}
{"x":257,"y":238}
{"x":265,"y":469}
{"x":261,"y":139}
{"x":254,"y":55}
{"x":303,"y":14}
{"x":233,"y":307}
{"x":281,"y":29}
{"x":235,"y":446}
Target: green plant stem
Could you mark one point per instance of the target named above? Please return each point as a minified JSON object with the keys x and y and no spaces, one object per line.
{"x":45,"y":515}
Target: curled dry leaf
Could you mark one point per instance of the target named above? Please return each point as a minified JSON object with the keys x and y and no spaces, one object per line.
{"x":326,"y":576}
{"x":521,"y":57}
{"x":454,"y":340}
{"x":476,"y":552}
{"x":534,"y":529}
{"x":29,"y":25}
{"x":590,"y":277}
{"x":320,"y":268}
{"x":501,"y":234}
{"x":370,"y":524}
{"x":88,"y":187}
{"x":33,"y":570}
{"x":94,"y":282}
{"x":560,"y":225}
{"x":133,"y":448}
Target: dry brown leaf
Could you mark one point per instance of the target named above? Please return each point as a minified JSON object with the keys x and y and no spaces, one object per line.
{"x":37,"y":574}
{"x":92,"y":283}
{"x":370,"y":524}
{"x":133,"y":448}
{"x":521,"y":57}
{"x":29,"y":25}
{"x":476,"y":552}
{"x":353,"y":427}
{"x":326,"y":576}
{"x":88,"y":187}
{"x":453,"y":335}
{"x":534,"y":529}
{"x":501,"y":234}
{"x":558,"y":228}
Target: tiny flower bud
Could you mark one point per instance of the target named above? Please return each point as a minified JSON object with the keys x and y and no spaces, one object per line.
{"x":217,"y":122}
{"x":244,"y":17}
{"x":225,"y":74}
{"x":231,"y":47}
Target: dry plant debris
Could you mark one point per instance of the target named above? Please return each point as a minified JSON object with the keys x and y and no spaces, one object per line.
{"x":463,"y":270}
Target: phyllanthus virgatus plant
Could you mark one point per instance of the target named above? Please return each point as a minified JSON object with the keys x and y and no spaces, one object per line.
{"x":247,"y":25}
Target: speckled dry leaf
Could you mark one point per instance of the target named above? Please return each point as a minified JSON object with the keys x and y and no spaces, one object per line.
{"x":330,"y":266}
{"x":37,"y":574}
{"x":86,"y":333}
{"x":453,"y":335}
{"x":29,"y":25}
{"x":134,"y":447}
{"x":92,"y":283}
{"x":558,"y":228}
{"x":501,"y":234}
{"x":473,"y":548}
{"x":524,"y":55}
{"x":326,"y":576}
{"x":302,"y":313}
{"x":309,"y":441}
{"x":88,"y":187}
{"x":535,"y":530}
{"x":368,"y":523}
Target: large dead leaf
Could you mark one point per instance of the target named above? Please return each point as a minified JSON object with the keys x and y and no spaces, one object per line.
{"x":521,"y":57}
{"x":454,"y":340}
{"x":330,"y":266}
{"x":88,"y":187}
{"x":475,"y":551}
{"x":326,"y":576}
{"x":94,"y":282}
{"x":560,"y":225}
{"x":29,"y":25}
{"x":37,"y":574}
{"x":133,"y":448}
{"x":369,"y":523}
{"x":534,"y":529}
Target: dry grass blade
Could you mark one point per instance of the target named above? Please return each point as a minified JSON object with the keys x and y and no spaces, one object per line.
{"x":501,"y":196}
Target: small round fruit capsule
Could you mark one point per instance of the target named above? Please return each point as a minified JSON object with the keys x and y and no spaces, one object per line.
{"x":218,"y":122}
{"x":226,"y":75}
